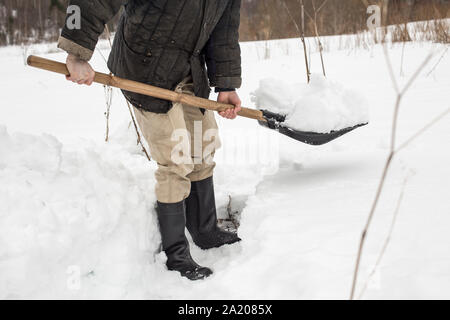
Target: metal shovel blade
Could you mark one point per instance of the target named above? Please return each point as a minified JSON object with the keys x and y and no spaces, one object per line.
{"x":275,"y":122}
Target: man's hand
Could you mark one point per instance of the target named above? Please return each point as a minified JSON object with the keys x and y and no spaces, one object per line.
{"x":230,"y":98}
{"x":80,"y":71}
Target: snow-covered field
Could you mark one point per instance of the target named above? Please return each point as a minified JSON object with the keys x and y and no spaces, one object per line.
{"x":77,"y":219}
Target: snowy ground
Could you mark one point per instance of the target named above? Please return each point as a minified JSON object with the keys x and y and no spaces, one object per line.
{"x":76,"y":214}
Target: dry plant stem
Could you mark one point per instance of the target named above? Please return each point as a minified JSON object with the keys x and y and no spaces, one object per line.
{"x":439,"y":61}
{"x":391,"y":155}
{"x":101,"y":54}
{"x":407,"y":36}
{"x":385,"y":7}
{"x":108,"y":97}
{"x":301,"y":33}
{"x":400,"y":148}
{"x":365,"y":3}
{"x":309,"y":60}
{"x":230,"y":213}
{"x":229,"y":206}
{"x":423,"y":130}
{"x":108,"y":35}
{"x":108,"y":90}
{"x":319,"y":42}
{"x":139,"y":140}
{"x":403,"y":57}
{"x":387,"y":240}
{"x":308,"y":66}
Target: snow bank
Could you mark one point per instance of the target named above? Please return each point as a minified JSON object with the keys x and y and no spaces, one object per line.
{"x":321,"y":106}
{"x":71,"y":217}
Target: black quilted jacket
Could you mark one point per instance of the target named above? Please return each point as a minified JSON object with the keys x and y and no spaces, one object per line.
{"x":160,"y":42}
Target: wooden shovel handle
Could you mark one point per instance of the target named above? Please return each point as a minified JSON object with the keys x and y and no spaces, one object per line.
{"x":145,"y":89}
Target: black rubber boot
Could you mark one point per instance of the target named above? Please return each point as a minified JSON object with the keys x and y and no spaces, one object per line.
{"x":172,"y":222}
{"x":201,"y":217}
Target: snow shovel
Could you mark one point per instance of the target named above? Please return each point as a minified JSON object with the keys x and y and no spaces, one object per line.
{"x":265,"y":118}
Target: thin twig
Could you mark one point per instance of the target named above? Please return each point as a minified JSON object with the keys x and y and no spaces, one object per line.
{"x":322,"y":5}
{"x":390,"y":157}
{"x":403,"y":58}
{"x":319,"y":42}
{"x":387,"y":240}
{"x":101,"y":54}
{"x":365,"y":3}
{"x":302,"y":35}
{"x":108,"y":98}
{"x":108,"y":90}
{"x":108,"y":35}
{"x":402,"y":146}
{"x":230,"y":213}
{"x":305,"y":11}
{"x":439,"y":61}
{"x":139,"y":140}
{"x":404,"y":42}
{"x":423,"y":130}
{"x":390,"y":69}
{"x":418,"y":71}
{"x":291,"y":17}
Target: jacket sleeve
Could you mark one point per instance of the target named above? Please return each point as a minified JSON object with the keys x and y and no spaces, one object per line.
{"x":94,"y":15}
{"x":222,"y":52}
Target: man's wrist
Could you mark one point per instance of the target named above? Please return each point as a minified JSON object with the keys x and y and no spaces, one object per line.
{"x":74,"y":49}
{"x":225,"y":90}
{"x":71,"y":56}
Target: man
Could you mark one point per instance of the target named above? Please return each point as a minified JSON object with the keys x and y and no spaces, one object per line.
{"x":182,"y":45}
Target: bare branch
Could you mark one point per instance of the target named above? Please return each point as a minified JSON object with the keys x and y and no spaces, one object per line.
{"x":108,"y":90}
{"x":108,"y":35}
{"x":305,"y":11}
{"x":387,"y":240}
{"x":417,"y":73}
{"x":423,"y":130}
{"x":139,"y":139}
{"x":230,"y":213}
{"x":291,"y":17}
{"x":403,"y":146}
{"x":101,"y":54}
{"x":439,"y":61}
{"x":302,"y":35}
{"x":391,"y":70}
{"x":402,"y":59}
{"x":322,"y":5}
{"x":389,"y":159}
{"x":317,"y":34}
{"x":108,"y":99}
{"x":365,"y":3}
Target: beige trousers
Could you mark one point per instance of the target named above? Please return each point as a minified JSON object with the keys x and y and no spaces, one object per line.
{"x":183,"y":143}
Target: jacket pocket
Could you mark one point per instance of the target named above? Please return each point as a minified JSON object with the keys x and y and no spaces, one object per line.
{"x":133,"y":65}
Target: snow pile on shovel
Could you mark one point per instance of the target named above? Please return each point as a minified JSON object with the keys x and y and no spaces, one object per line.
{"x":321,"y":106}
